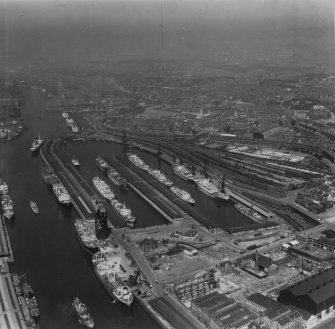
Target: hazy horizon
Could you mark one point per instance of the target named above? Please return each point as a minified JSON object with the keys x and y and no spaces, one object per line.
{"x":55,"y":32}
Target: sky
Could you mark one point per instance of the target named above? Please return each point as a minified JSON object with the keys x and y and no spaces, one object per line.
{"x":52,"y":30}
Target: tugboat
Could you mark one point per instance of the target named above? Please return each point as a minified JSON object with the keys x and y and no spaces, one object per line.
{"x":36,"y":144}
{"x":75,"y":162}
{"x":84,"y":316}
{"x":34,"y":207}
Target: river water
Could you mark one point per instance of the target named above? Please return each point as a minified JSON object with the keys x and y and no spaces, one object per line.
{"x":45,"y":247}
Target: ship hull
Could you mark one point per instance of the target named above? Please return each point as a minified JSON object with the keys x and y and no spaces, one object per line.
{"x":189,"y":179}
{"x":208,"y":193}
{"x":86,"y":247}
{"x":110,"y":288}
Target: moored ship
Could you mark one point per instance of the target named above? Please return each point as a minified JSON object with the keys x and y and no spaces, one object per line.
{"x":107,"y":266}
{"x":75,"y":162}
{"x":49,"y":176}
{"x":183,"y":172}
{"x":102,"y":164}
{"x":7,"y":206}
{"x":31,"y":301}
{"x":3,"y":187}
{"x":86,"y":233}
{"x":116,"y":177}
{"x":207,"y":187}
{"x":61,"y":193}
{"x":182,"y":194}
{"x":103,"y":188}
{"x":84,"y":316}
{"x":124,"y":212}
{"x":137,"y":161}
{"x":37,"y":143}
{"x":160,"y":177}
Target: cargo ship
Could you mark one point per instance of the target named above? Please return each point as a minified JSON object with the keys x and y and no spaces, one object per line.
{"x":137,"y":161}
{"x":86,"y":233}
{"x":103,"y":188}
{"x":3,"y":187}
{"x":124,"y":212}
{"x":182,"y":194}
{"x":49,"y":176}
{"x":61,"y":194}
{"x":160,"y":177}
{"x":31,"y":301}
{"x":116,"y":178}
{"x":102,"y":164}
{"x":84,"y":316}
{"x":7,"y":206}
{"x":107,"y":267}
{"x":183,"y":172}
{"x":207,"y":187}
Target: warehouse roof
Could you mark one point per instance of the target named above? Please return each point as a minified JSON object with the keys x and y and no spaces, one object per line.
{"x":212,"y":300}
{"x":318,"y":287}
{"x":287,"y":318}
{"x":268,"y":303}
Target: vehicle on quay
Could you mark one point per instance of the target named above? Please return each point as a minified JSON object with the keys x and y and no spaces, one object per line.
{"x":124,"y":212}
{"x":34,"y":207}
{"x":108,"y":276}
{"x":182,"y":194}
{"x":103,"y":188}
{"x":48,"y":175}
{"x":116,"y":177}
{"x":84,"y":316}
{"x":207,"y":187}
{"x":7,"y":206}
{"x":62,"y":194}
{"x":160,"y":177}
{"x":37,"y":143}
{"x":183,"y":172}
{"x":86,"y":233}
{"x":102,"y":164}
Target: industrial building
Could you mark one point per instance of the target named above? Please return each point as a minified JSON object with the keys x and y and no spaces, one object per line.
{"x":315,"y":294}
{"x":217,"y":311}
{"x":202,"y":284}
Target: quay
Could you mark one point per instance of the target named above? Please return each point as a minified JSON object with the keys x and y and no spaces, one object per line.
{"x":167,"y":320}
{"x":5,"y":247}
{"x":11,"y":314}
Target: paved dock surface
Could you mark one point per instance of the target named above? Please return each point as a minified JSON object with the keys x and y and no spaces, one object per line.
{"x":10,"y":312}
{"x":171,"y":314}
{"x":4,"y":248}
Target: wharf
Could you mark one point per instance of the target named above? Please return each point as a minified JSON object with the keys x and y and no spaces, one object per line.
{"x":5,"y":247}
{"x":251,"y":204}
{"x":148,"y":192}
{"x":180,"y":205}
{"x":11,"y":313}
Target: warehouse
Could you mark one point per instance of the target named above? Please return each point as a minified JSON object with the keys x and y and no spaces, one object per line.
{"x":315,"y":294}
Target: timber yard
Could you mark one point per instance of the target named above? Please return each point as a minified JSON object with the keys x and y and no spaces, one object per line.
{"x":188,"y":185}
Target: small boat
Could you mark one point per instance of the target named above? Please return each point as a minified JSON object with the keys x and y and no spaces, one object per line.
{"x":84,"y":316}
{"x":75,"y":162}
{"x":34,"y":207}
